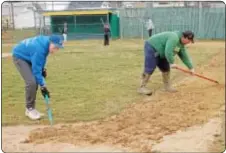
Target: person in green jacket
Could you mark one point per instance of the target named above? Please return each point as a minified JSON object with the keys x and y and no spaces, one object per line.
{"x":159,"y":50}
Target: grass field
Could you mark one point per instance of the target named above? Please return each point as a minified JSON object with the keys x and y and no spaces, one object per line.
{"x":88,"y":81}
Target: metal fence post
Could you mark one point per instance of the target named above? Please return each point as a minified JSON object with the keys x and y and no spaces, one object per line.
{"x":12,"y":9}
{"x":200,"y":19}
{"x":142,"y":30}
{"x":121,"y":28}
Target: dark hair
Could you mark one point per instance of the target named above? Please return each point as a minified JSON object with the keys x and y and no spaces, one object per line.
{"x":189,"y":34}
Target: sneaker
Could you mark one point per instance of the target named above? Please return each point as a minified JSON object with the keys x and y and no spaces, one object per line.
{"x":33,"y":114}
{"x":145,"y":91}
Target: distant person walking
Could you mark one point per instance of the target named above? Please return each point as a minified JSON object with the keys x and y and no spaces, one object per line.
{"x":64,"y":33}
{"x":107,"y":33}
{"x":150,"y":26}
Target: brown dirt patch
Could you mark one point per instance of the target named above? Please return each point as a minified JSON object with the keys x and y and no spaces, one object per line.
{"x":144,"y":124}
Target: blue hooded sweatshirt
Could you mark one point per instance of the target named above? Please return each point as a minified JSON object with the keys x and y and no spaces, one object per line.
{"x":34,"y":51}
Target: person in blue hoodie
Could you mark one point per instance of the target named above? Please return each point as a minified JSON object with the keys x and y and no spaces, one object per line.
{"x":29,"y":57}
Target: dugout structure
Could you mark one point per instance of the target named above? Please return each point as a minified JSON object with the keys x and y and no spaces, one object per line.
{"x":82,"y":24}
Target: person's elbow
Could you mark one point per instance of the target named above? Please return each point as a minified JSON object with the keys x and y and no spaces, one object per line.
{"x":169,"y":57}
{"x":190,"y":65}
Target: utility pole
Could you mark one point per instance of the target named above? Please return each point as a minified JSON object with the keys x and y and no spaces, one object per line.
{"x":34,"y":13}
{"x":10,"y":16}
{"x":52,"y":6}
{"x":200,"y":20}
{"x":12,"y":9}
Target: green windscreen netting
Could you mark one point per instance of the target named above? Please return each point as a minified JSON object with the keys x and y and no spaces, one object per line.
{"x":207,"y":23}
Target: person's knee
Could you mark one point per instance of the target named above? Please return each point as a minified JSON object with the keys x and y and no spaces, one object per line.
{"x":149,"y":71}
{"x":164,"y":70}
{"x":164,"y":66}
{"x":31,"y":84}
{"x":149,"y":67}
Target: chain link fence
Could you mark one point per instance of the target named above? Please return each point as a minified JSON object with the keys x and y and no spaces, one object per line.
{"x":22,"y":20}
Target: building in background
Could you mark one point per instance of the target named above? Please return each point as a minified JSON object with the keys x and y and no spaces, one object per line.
{"x":29,"y":14}
{"x":162,"y":4}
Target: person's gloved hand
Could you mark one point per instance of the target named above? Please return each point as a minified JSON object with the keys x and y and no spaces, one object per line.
{"x":44,"y":73}
{"x":45,"y":91}
{"x":173,"y":66}
{"x":192,"y":71}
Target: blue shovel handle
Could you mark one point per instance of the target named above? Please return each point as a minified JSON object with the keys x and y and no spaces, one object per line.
{"x":49,"y":111}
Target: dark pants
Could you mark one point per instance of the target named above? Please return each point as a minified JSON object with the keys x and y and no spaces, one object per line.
{"x":150,"y":32}
{"x":152,"y":60}
{"x":31,"y":86}
{"x":106,"y":39}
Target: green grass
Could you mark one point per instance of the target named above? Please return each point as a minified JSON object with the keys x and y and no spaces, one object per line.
{"x":88,"y":81}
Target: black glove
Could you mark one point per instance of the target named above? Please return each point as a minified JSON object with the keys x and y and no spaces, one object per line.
{"x":44,"y":73}
{"x":45,"y":92}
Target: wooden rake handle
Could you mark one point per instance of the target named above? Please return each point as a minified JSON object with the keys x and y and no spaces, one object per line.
{"x":198,"y":75}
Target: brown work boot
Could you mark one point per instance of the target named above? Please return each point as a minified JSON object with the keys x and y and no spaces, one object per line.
{"x":166,"y":81}
{"x":143,"y":89}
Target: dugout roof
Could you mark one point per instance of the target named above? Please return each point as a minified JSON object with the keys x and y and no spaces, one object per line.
{"x":82,"y":12}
